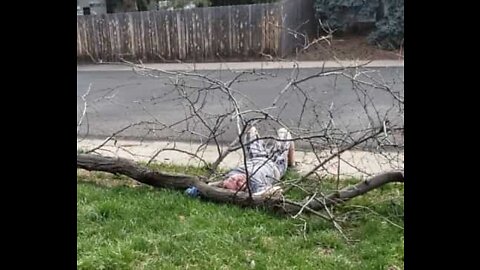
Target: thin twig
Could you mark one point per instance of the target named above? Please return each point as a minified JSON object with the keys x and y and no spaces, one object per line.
{"x":84,"y":112}
{"x":305,"y":205}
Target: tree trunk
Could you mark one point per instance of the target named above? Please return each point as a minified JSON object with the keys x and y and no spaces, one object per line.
{"x":150,"y":177}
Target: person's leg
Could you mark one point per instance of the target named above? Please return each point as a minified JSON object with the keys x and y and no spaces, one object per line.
{"x":284,"y":151}
{"x":256,"y":148}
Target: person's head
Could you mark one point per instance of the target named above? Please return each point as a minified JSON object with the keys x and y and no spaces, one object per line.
{"x":235,"y":182}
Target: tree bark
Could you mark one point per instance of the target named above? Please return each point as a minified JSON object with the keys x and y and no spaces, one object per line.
{"x":150,"y":177}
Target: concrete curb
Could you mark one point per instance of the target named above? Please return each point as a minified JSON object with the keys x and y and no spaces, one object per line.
{"x":244,"y":65}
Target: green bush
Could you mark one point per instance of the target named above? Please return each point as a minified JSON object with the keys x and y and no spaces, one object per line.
{"x":343,"y":14}
{"x":389,"y":31}
{"x":386,"y":16}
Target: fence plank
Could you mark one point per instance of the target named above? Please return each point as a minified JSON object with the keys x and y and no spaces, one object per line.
{"x":171,"y":21}
{"x":202,"y":36}
{"x":270,"y":31}
{"x":168,"y":35}
{"x":98,"y":37}
{"x":230,"y":31}
{"x":256,"y":30}
{"x":144,"y":33}
{"x":79,"y":38}
{"x":223,"y":31}
{"x":181,"y":33}
{"x":106,"y":40}
{"x":243,"y":38}
{"x":136,"y":48}
{"x":153,"y":34}
{"x":275,"y":28}
{"x":162,"y":41}
{"x":129,"y":37}
{"x":193,"y":35}
{"x":92,"y":37}
{"x":194,"y":28}
{"x":208,"y":25}
{"x":263,"y":25}
{"x":187,"y":33}
{"x":139,"y":40}
{"x":217,"y":33}
{"x":234,"y":30}
{"x":121,"y":33}
{"x":113,"y":22}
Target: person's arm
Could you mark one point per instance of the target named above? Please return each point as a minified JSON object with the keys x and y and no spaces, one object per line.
{"x":291,"y":155}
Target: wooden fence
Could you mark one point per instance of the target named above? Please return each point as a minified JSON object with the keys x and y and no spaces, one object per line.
{"x":198,"y":34}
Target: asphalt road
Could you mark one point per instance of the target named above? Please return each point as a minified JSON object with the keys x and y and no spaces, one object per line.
{"x":118,"y":98}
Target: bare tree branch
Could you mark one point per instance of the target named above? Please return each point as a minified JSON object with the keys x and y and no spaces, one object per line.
{"x":84,"y":112}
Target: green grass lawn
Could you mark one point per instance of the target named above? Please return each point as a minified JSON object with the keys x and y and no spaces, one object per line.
{"x":125,"y":227}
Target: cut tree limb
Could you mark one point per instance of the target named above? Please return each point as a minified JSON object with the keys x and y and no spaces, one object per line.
{"x":154,"y":178}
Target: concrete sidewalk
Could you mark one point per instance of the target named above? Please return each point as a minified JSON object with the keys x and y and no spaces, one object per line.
{"x":245,"y":65}
{"x":352,"y":164}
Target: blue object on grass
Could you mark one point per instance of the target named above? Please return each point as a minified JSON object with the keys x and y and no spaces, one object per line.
{"x":192,"y":192}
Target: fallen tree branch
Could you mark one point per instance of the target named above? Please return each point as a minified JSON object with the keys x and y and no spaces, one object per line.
{"x":361,"y":188}
{"x":154,"y":178}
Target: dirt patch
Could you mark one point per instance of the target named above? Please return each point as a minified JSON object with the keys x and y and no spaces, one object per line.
{"x":347,"y":48}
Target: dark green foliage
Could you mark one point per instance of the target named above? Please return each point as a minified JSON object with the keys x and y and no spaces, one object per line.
{"x":389,"y":32}
{"x":386,"y":17}
{"x":343,"y":14}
